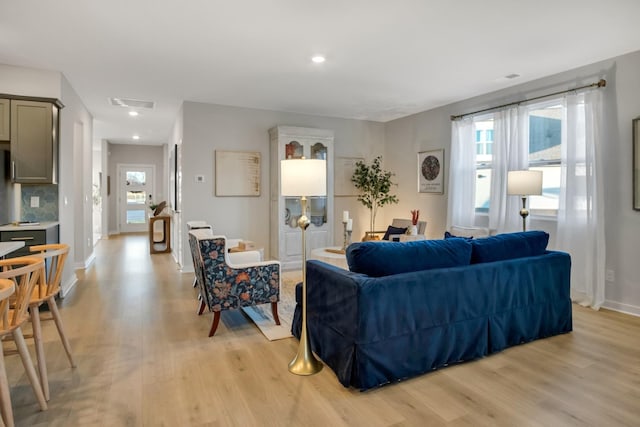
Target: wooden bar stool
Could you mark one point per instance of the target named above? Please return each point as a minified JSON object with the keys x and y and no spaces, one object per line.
{"x":7,"y":288}
{"x":46,"y":289}
{"x":24,"y":272}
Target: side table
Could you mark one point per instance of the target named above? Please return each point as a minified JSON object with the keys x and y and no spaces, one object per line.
{"x":164,"y":244}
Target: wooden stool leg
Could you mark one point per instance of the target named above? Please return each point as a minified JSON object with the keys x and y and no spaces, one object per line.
{"x":214,"y":324}
{"x":28,"y":367}
{"x":41,"y":359}
{"x":201,"y":309}
{"x":53,"y":308}
{"x":5,"y":396}
{"x":274,"y":310}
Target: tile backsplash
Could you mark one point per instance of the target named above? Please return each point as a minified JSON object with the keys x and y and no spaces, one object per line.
{"x":48,"y":209}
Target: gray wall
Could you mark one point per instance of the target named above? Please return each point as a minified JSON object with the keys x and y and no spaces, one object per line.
{"x":133,"y":154}
{"x":207,"y":128}
{"x":72,"y":158}
{"x":432,"y":129}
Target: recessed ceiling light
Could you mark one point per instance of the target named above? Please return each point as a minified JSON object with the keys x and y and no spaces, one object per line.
{"x":136,"y":137}
{"x":318,"y":59}
{"x":133,"y":113}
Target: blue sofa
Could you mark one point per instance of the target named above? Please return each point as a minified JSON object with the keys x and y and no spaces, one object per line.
{"x":408,"y":308}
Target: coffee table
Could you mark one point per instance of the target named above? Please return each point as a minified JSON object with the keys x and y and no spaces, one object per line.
{"x":337,"y":259}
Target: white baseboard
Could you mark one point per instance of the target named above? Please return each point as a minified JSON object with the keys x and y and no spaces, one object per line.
{"x":67,"y":286}
{"x":86,"y":264}
{"x":622,"y":308}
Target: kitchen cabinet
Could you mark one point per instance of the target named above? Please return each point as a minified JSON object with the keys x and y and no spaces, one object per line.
{"x":5,"y":107}
{"x":289,"y":142}
{"x":34,"y":141}
{"x":30,"y":235}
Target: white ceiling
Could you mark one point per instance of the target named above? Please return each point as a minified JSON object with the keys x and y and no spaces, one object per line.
{"x":385,"y":59}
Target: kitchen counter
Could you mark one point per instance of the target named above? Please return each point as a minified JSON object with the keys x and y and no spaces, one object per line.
{"x":41,"y":226}
{"x":30,"y":235}
{"x":8,"y":247}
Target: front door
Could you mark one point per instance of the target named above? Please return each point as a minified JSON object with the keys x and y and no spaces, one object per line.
{"x":136,"y":192}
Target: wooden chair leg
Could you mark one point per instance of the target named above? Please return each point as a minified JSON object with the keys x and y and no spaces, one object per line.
{"x":201,"y":309}
{"x":28,"y":367}
{"x":5,"y":396}
{"x":40,"y":357}
{"x":274,"y":310}
{"x":214,"y":324}
{"x":53,"y":308}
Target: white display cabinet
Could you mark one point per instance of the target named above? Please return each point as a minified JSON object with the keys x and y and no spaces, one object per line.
{"x":289,"y":142}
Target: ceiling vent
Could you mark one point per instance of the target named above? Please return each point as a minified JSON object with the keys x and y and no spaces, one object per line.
{"x":131,"y":103}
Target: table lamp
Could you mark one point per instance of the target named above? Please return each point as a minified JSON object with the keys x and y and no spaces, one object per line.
{"x":524,"y":183}
{"x":302,"y":178}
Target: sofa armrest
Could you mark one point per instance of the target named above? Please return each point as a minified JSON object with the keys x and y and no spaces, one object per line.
{"x":332,"y":298}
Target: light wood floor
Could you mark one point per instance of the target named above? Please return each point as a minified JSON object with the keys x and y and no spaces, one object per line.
{"x":144,"y":359}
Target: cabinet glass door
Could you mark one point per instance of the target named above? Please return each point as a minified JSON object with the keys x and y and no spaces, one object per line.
{"x":318,"y":205}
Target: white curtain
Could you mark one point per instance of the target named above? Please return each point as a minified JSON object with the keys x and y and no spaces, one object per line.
{"x":462,"y":174}
{"x":510,"y":152}
{"x":581,"y":213}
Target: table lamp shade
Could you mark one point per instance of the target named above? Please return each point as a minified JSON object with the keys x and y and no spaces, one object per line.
{"x":303,"y":177}
{"x":524,"y":183}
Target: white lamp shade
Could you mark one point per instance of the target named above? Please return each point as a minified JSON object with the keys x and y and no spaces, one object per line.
{"x":524,"y":183}
{"x":303,"y":177}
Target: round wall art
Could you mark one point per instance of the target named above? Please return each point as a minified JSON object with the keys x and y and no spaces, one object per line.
{"x":431,"y":171}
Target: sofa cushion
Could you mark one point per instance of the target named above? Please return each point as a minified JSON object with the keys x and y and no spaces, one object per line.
{"x":448,"y":235}
{"x":509,"y":246}
{"x":378,"y":259}
{"x":391,"y":230}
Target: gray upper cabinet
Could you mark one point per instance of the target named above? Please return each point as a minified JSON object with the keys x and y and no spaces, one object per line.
{"x":34,"y":142}
{"x":5,"y":107}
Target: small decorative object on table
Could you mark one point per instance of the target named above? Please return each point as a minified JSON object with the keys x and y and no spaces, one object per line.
{"x":413,"y":230}
{"x":347,"y":224}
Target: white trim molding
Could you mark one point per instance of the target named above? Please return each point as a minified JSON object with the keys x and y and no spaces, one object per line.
{"x":621,"y":307}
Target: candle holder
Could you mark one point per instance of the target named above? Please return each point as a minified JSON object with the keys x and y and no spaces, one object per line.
{"x":346,"y":237}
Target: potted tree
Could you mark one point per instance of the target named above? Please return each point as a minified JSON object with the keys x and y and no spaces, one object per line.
{"x":374,"y":185}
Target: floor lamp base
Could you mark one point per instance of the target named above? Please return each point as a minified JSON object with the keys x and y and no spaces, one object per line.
{"x":305,"y":363}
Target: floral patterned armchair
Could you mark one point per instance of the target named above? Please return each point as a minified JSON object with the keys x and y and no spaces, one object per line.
{"x":225,"y":285}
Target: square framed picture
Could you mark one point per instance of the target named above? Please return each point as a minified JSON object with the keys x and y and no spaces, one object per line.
{"x":431,"y":171}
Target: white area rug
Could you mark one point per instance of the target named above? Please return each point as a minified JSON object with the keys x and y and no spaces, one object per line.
{"x":262,"y":316}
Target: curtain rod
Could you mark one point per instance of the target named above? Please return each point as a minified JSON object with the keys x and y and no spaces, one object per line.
{"x":600,"y":83}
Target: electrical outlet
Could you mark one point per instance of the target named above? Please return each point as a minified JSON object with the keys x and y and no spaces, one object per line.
{"x":35,"y":201}
{"x":610,"y":276}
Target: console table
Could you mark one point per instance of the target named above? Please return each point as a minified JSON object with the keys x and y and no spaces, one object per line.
{"x":164,"y":244}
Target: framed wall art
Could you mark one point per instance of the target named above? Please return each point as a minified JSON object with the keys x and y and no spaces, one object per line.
{"x":636,"y":164}
{"x":431,"y":171}
{"x":237,"y":173}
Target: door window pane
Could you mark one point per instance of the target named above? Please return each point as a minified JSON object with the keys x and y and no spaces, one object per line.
{"x":136,"y":178}
{"x":136,"y":216}
{"x":136,"y":197}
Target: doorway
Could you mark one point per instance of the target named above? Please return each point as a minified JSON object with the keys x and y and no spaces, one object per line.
{"x":136,"y":185}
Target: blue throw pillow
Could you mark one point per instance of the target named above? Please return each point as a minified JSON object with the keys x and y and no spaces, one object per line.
{"x":448,"y":235}
{"x":509,"y":246}
{"x":391,"y":230}
{"x":378,"y":259}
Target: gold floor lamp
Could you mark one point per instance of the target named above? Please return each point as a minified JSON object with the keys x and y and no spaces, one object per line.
{"x":303,"y":178}
{"x":524,"y":183}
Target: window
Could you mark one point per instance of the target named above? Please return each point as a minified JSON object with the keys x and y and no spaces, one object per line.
{"x":545,"y":139}
{"x":483,"y":164}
